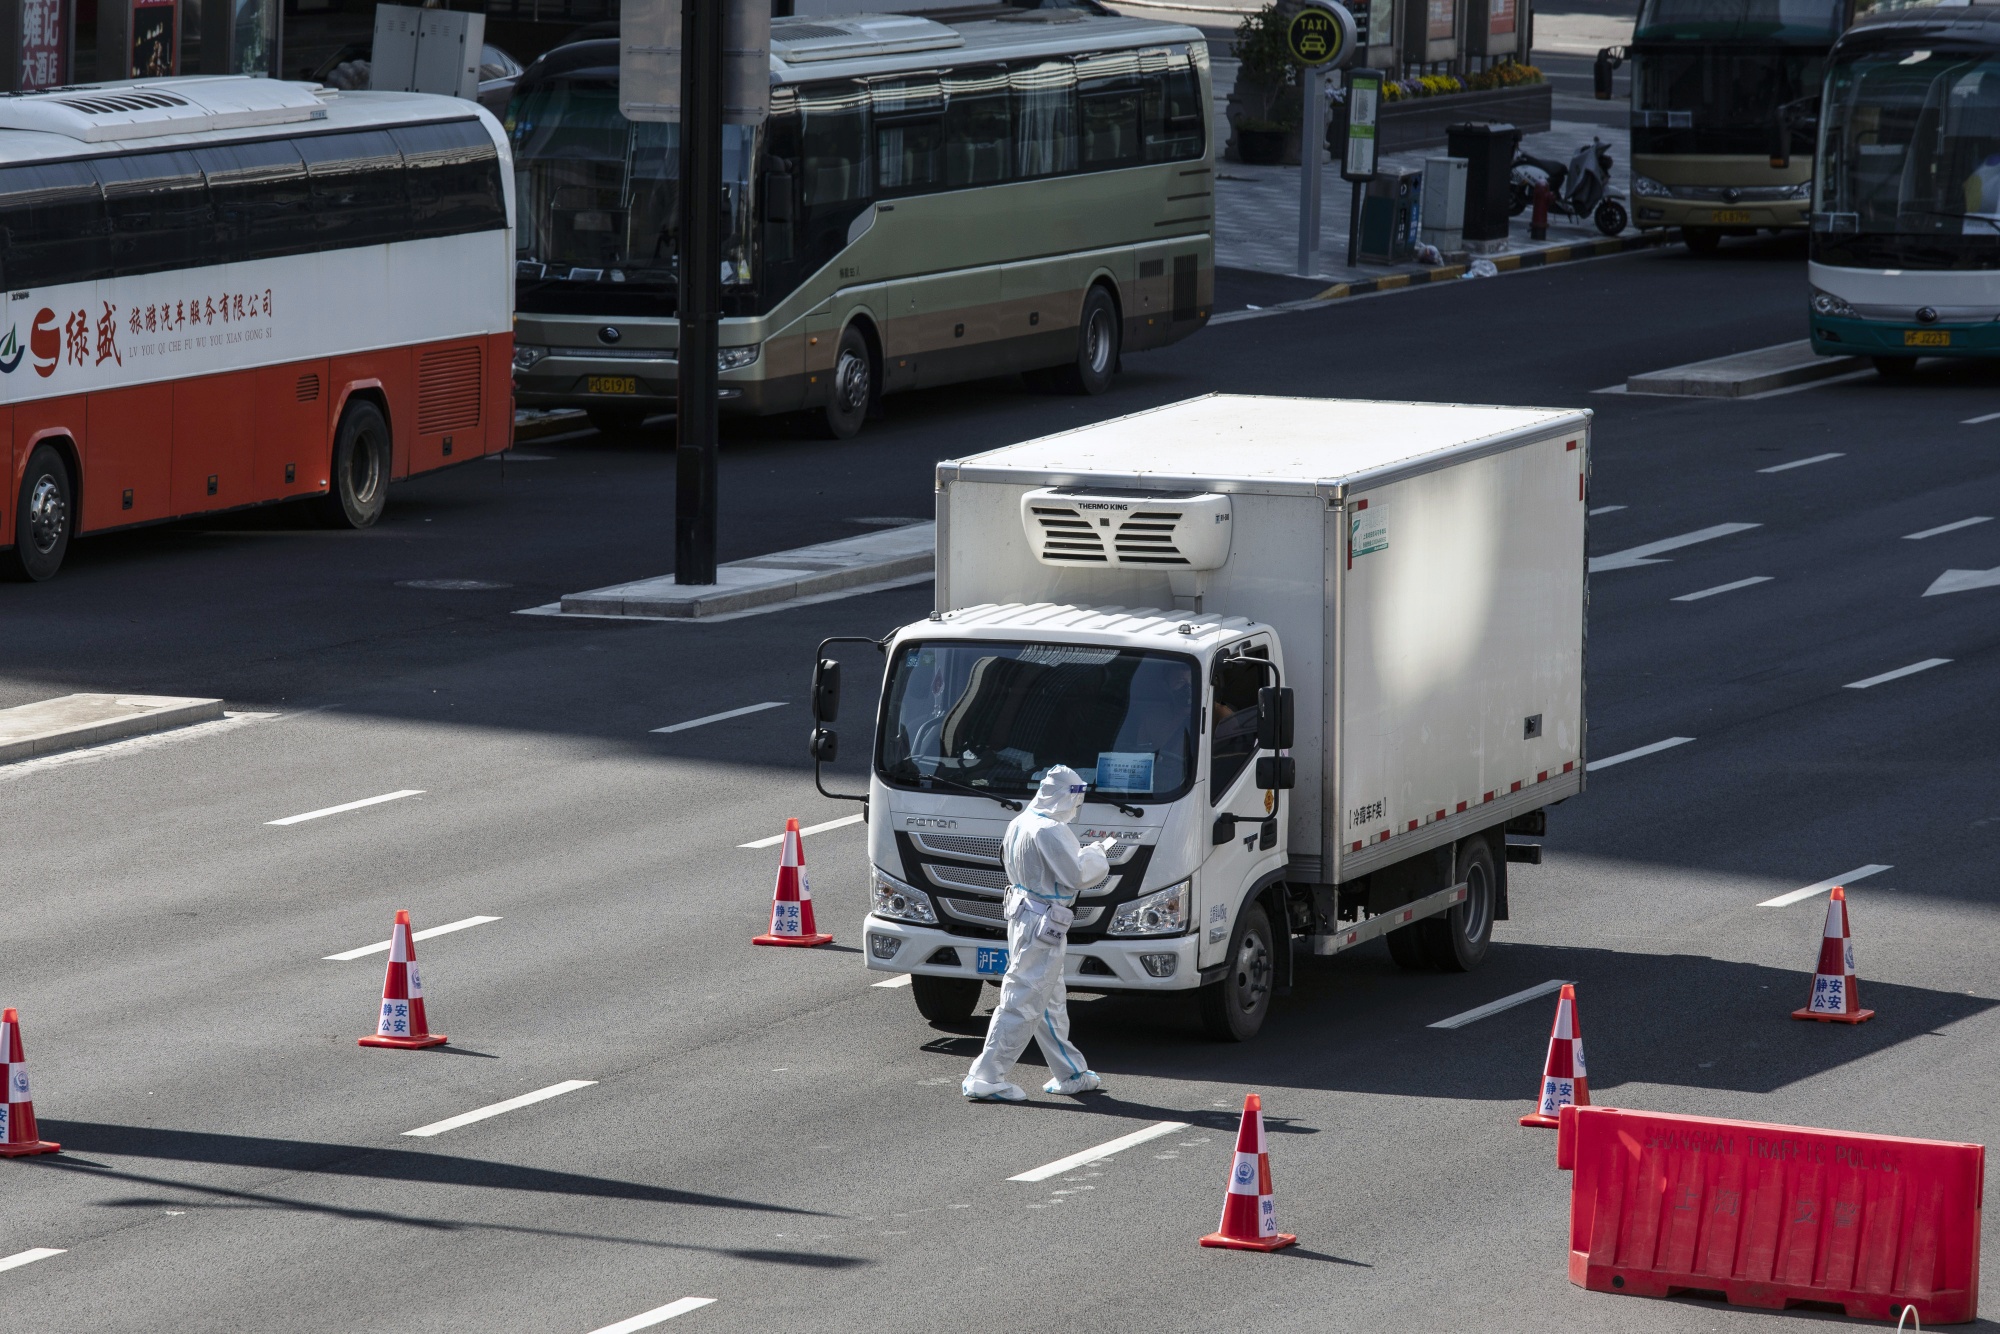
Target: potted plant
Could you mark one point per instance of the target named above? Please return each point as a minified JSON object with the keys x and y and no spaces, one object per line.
{"x":1264,"y":107}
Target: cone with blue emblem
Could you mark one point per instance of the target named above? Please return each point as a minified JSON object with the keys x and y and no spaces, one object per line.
{"x":1835,"y":999}
{"x":792,"y":901}
{"x":19,"y":1136}
{"x":403,"y":1022}
{"x":1564,"y":1082}
{"x":1249,"y":1217}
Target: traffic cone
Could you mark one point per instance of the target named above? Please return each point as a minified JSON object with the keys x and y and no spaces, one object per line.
{"x":1563,"y":1081}
{"x":402,"y":1023}
{"x":19,"y":1136}
{"x":792,"y":901}
{"x":1835,"y":999}
{"x":1249,"y":1219}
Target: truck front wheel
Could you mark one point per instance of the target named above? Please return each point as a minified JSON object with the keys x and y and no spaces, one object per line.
{"x":945,"y":1000}
{"x":1233,"y":1009}
{"x":1456,"y":941}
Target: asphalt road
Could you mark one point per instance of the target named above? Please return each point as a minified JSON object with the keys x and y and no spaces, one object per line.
{"x":768,"y":1129}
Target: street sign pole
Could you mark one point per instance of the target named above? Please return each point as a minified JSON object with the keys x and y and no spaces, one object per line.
{"x":700,"y":292}
{"x":1320,"y":36}
{"x":1357,"y":163}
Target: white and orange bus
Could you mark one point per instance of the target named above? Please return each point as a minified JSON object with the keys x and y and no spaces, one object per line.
{"x":222,"y":292}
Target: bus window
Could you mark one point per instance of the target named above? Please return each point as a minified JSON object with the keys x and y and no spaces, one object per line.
{"x":263,"y":205}
{"x":978,"y":129}
{"x":52,"y":215}
{"x":357,"y":186}
{"x":1107,"y":96}
{"x":159,"y":213}
{"x":453,"y":175}
{"x":1044,"y":119}
{"x":909,"y":136}
{"x":834,"y":137}
{"x":1172,"y":123}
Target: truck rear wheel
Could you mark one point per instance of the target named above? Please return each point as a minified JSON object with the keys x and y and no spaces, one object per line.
{"x":945,"y":1000}
{"x":1233,"y":1009}
{"x":1456,"y":941}
{"x":1406,"y":947}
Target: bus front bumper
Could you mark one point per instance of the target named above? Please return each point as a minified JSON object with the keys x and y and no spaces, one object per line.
{"x":1651,"y":211}
{"x":1103,"y":964}
{"x":553,"y":380}
{"x":1847,"y":337}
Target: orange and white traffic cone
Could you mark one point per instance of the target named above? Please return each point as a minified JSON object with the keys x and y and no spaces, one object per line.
{"x":1835,"y":999}
{"x":19,"y":1135}
{"x":792,"y":901}
{"x":1249,"y":1218}
{"x":1564,"y":1083}
{"x":403,"y":1023}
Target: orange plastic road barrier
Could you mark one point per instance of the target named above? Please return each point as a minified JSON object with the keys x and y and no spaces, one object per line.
{"x":1771,"y":1215}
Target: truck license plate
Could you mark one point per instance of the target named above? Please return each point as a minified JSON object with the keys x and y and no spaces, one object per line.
{"x":613,"y":384}
{"x":1729,"y":215}
{"x":1926,"y":338}
{"x":990,"y":961}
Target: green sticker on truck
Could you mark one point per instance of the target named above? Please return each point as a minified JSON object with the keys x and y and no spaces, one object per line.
{"x":1367,"y":531}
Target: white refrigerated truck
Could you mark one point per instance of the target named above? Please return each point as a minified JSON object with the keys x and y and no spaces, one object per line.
{"x":1315,"y":657}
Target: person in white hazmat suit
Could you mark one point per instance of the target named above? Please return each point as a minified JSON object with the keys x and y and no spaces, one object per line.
{"x":1046,"y":869}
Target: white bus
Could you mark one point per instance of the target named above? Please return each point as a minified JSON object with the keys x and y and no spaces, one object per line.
{"x":222,"y":292}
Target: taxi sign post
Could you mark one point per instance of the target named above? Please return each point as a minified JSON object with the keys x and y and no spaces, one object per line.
{"x":1320,"y":36}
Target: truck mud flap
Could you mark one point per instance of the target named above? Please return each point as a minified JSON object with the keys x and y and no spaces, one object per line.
{"x":1362,"y":932}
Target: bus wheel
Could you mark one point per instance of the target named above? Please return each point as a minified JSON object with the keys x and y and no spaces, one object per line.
{"x":42,"y":520}
{"x":1096,"y":348}
{"x":1233,"y":1009}
{"x":358,"y":487}
{"x":1702,"y":240}
{"x":945,"y":1000}
{"x":853,"y":385}
{"x":1896,"y":368}
{"x":1456,"y":941}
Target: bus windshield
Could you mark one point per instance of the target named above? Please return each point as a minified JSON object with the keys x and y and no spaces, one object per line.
{"x":1909,"y":169}
{"x":1702,"y":98}
{"x":994,"y":717}
{"x":599,"y":200}
{"x":1809,"y":22}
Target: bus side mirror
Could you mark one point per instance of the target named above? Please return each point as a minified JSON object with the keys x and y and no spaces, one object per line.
{"x":826,"y":691}
{"x":1277,"y":773}
{"x":1781,"y":140}
{"x":1274,"y":718}
{"x":825,"y":745}
{"x":1601,"y":72}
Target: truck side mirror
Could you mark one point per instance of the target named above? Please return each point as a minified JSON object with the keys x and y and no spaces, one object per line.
{"x":826,"y":691}
{"x":825,"y":745}
{"x":1277,"y":773}
{"x":1274,"y":718}
{"x":1601,"y":72}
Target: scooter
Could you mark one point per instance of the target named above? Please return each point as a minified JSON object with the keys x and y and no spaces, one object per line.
{"x":1577,"y":191}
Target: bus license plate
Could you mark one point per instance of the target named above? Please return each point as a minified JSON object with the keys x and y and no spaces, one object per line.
{"x":991,"y":962}
{"x":613,"y":384}
{"x":1729,"y":215}
{"x":1926,"y":338}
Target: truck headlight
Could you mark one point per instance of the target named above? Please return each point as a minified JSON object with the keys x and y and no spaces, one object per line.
{"x":899,"y":902}
{"x":1646,"y":185}
{"x":1826,"y":303}
{"x":527,"y":354}
{"x":735,"y":358}
{"x":1162,"y":913}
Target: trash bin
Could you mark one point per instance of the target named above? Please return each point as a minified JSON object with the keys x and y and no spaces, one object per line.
{"x":1488,"y":151}
{"x":1389,"y":215}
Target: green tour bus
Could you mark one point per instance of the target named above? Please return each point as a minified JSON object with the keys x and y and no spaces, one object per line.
{"x":926,"y":203}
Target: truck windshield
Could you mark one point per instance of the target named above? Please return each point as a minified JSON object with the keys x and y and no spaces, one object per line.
{"x":994,"y":717}
{"x":1909,"y":171}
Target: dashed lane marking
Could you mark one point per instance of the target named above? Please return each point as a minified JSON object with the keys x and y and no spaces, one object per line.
{"x":1650,"y":553}
{"x":1947,"y":528}
{"x":480,"y":1114}
{"x":775,"y":839}
{"x":1981,"y":421}
{"x":1724,"y":588}
{"x":1640,"y":753}
{"x":382,"y":946}
{"x":349,"y":806}
{"x":1812,"y":891}
{"x":1605,"y":509}
{"x":28,"y":1257}
{"x":1900,"y":672}
{"x":1492,"y":1008}
{"x":900,"y":980}
{"x":1802,"y":463}
{"x":1104,"y":1150}
{"x":725,"y":715}
{"x":659,"y":1315}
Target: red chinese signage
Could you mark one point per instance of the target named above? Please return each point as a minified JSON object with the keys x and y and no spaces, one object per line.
{"x":1501,"y":17}
{"x":44,"y":44}
{"x":1442,"y":18}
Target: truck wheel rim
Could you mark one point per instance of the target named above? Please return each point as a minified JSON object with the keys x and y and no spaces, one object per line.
{"x":1473,"y":912}
{"x":47,"y":514}
{"x":1252,"y":972}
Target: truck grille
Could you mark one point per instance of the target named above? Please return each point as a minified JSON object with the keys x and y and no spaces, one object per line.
{"x":960,"y":845}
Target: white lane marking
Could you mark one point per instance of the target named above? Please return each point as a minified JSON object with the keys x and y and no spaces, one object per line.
{"x":1632,"y":557}
{"x":775,"y":839}
{"x":228,"y":722}
{"x":349,"y":806}
{"x":28,"y":1257}
{"x":1801,"y":463}
{"x":659,"y":1315}
{"x":480,"y":1114}
{"x":1978,"y":421}
{"x":1963,"y":581}
{"x":1605,"y":509}
{"x":1811,"y":891}
{"x":1947,"y":528}
{"x":706,"y":719}
{"x":1104,"y":1150}
{"x":1900,"y":672}
{"x":1642,"y":751}
{"x":1724,"y":588}
{"x":1491,"y":1008}
{"x":1810,"y":384}
{"x":900,"y":981}
{"x":382,"y":946}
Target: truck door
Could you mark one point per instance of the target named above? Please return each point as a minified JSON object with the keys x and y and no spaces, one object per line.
{"x":1244,"y":848}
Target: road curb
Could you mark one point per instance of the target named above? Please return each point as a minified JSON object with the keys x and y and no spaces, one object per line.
{"x":69,"y":721}
{"x":1744,"y":373}
{"x":1530,"y":259}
